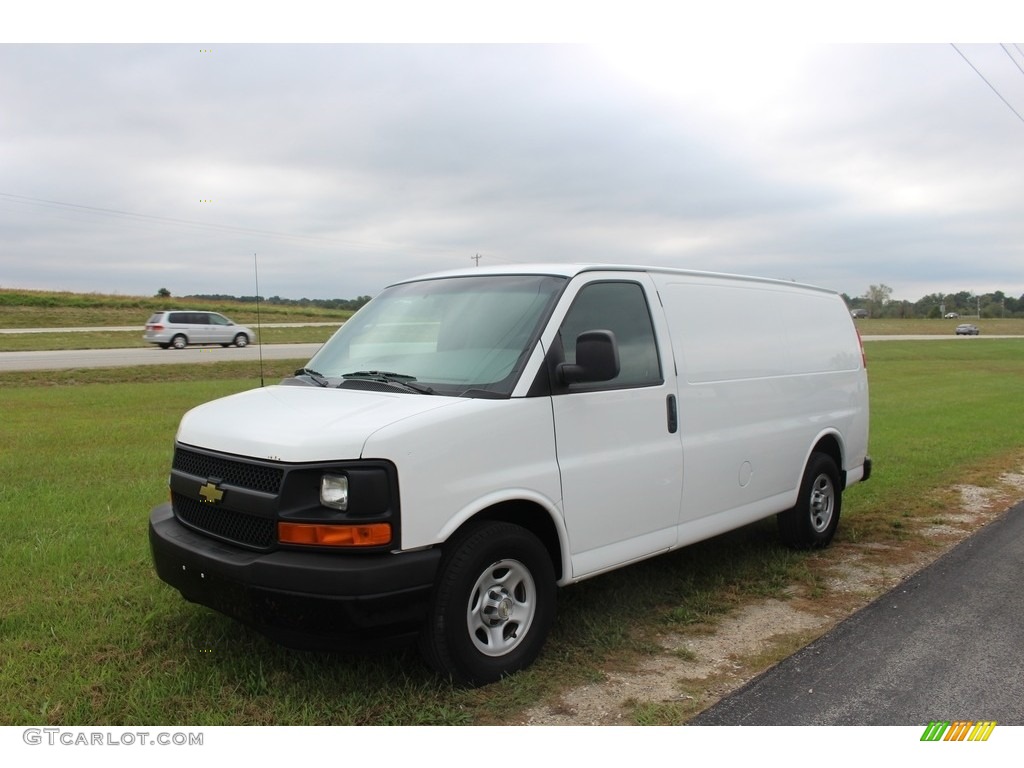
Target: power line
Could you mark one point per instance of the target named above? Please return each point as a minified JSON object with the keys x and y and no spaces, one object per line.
{"x":113,"y":212}
{"x":144,"y":216}
{"x":997,"y":93}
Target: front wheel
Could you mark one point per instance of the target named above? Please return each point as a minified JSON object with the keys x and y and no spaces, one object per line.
{"x":493,"y":605}
{"x":241,"y":340}
{"x":812,"y":523}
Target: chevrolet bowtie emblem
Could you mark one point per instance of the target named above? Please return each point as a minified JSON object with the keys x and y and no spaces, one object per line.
{"x":211,"y":493}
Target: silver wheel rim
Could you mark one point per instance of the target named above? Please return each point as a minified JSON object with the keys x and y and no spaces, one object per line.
{"x":501,"y":607}
{"x":823,"y":503}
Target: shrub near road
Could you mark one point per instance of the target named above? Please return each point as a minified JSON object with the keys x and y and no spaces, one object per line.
{"x":88,"y":635}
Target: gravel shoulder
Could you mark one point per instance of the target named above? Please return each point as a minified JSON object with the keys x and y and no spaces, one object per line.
{"x":700,"y":666}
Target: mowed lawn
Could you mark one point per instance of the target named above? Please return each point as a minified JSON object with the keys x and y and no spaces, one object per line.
{"x":90,"y":636}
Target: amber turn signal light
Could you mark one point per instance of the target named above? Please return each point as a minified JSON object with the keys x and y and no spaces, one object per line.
{"x":372,"y":535}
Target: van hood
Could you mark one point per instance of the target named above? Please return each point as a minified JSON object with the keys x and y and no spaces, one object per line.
{"x":299,"y":424}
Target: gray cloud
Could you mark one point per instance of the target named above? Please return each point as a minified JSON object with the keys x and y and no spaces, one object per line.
{"x":133,"y":167}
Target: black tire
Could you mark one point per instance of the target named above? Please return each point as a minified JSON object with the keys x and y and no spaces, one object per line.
{"x":179,"y":342}
{"x":163,"y":346}
{"x":493,"y":604}
{"x":812,"y":523}
{"x":241,"y":340}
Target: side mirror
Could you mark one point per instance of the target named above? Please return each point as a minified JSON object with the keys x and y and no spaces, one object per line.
{"x":597,"y":359}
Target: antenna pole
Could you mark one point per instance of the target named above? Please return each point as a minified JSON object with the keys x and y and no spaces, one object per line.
{"x":259,"y":328}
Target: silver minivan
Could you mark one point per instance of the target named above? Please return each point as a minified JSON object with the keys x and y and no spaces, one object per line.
{"x":179,"y":328}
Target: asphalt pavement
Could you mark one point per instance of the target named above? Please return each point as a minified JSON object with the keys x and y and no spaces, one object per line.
{"x":52,"y":360}
{"x":142,"y":328}
{"x":112,"y":358}
{"x":945,"y":644}
{"x":109,"y":358}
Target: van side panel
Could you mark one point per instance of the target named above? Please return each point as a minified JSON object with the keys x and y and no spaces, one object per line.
{"x":765,"y":369}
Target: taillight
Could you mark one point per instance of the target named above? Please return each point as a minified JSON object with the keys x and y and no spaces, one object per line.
{"x":156,"y":328}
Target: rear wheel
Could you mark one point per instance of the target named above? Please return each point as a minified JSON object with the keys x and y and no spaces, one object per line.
{"x":179,"y":342}
{"x":493,"y":605}
{"x":812,"y":523}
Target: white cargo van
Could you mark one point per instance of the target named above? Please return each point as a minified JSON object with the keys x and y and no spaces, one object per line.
{"x":470,"y":441}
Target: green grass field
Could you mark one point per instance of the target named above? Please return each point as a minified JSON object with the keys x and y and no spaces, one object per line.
{"x":890,"y":326}
{"x":90,"y":636}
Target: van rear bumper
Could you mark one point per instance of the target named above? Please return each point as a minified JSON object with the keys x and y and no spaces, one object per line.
{"x":313,"y":600}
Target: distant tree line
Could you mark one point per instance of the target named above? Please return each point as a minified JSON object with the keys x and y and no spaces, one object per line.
{"x":877,"y":302}
{"x":351,"y":304}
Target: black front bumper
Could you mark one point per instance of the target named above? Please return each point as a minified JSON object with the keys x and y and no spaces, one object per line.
{"x":320,"y":600}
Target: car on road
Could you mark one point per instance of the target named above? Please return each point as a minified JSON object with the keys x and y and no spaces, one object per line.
{"x":951,"y":315}
{"x":179,"y":328}
{"x":967,"y":329}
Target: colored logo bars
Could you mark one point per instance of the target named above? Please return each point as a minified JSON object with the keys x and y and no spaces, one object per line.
{"x":958,"y":730}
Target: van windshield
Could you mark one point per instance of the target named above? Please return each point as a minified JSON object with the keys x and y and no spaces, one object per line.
{"x":459,"y":335}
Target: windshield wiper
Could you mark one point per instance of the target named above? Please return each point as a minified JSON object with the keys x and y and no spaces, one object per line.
{"x":316,"y":376}
{"x":387,"y":377}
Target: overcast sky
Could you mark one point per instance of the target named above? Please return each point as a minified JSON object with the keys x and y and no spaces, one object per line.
{"x":343,"y":167}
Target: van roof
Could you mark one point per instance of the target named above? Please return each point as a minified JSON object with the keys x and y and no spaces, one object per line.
{"x":569,"y":270}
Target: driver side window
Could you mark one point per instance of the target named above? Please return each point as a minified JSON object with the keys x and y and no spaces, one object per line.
{"x":619,"y":307}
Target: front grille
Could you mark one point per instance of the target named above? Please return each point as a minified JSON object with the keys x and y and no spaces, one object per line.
{"x":214,"y":519}
{"x":255,"y":477}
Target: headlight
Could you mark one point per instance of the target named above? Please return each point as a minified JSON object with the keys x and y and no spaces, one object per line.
{"x":334,"y":491}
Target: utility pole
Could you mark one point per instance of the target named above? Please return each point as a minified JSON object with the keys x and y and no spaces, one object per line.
{"x":476,"y":259}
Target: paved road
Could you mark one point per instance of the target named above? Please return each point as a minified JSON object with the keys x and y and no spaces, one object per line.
{"x":111,"y":358}
{"x":945,"y":644}
{"x":142,"y":328}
